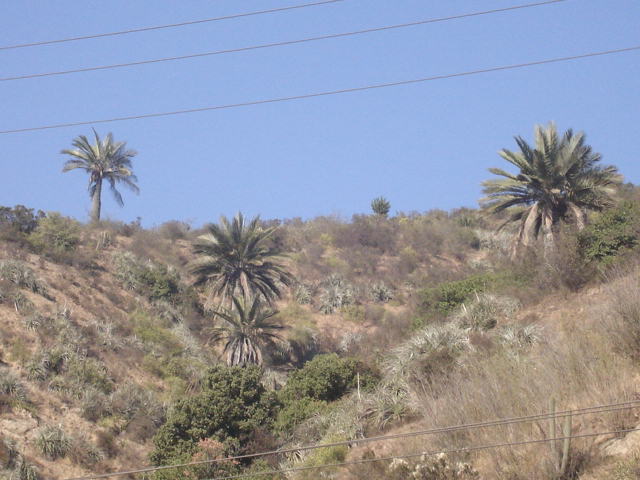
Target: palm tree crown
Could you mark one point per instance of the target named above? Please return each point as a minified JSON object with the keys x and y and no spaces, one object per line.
{"x":105,"y":160}
{"x":559,"y":180}
{"x":235,"y":260}
{"x":247,"y":331}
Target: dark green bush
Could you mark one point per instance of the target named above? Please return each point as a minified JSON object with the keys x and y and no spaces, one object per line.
{"x":326,"y":377}
{"x":616,"y":231}
{"x":232,"y":404}
{"x":17,"y":222}
{"x":296,"y":411}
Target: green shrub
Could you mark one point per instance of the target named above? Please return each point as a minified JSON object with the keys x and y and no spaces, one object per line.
{"x":232,"y":404}
{"x":157,"y":339}
{"x":616,"y":231}
{"x":207,"y":449}
{"x":326,"y":377}
{"x":19,"y":219}
{"x":323,"y":456}
{"x":55,"y":234}
{"x":53,"y":442}
{"x":447,"y":296}
{"x":296,"y":411}
{"x":85,"y":372}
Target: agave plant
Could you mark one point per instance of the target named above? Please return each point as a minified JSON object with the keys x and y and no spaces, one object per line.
{"x":336,"y":293}
{"x":247,"y":331}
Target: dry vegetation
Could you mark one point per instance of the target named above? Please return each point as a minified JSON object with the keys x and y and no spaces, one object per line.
{"x":102,"y":337}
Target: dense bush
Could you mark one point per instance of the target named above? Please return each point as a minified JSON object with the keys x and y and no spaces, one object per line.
{"x":613,"y":233}
{"x":326,"y":377}
{"x":18,"y":220}
{"x":55,"y":234}
{"x":295,"y":411}
{"x":233,"y":403}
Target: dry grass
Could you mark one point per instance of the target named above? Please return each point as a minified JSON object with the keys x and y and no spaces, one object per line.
{"x":577,"y":368}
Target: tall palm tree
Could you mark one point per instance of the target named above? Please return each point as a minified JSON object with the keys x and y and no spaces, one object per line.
{"x":105,"y":160}
{"x":558,"y":181}
{"x":234,"y":259}
{"x":247,"y":331}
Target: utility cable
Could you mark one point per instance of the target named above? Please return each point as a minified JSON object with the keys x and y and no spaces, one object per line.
{"x":325,"y":93}
{"x":424,"y":454}
{"x":493,"y":423}
{"x":171,"y":25}
{"x":275,"y":44}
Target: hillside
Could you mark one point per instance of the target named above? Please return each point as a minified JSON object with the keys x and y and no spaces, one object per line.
{"x":105,"y":341}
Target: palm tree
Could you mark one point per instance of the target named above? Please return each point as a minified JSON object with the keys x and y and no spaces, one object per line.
{"x":380,"y":206}
{"x":234,"y":259}
{"x":247,"y":331}
{"x":559,"y":181}
{"x":104,"y":160}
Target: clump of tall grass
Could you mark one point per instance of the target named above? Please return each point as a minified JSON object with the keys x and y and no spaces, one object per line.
{"x":53,"y":442}
{"x":484,"y":310}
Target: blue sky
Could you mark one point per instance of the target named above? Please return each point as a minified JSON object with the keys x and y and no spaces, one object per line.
{"x":422,"y":146}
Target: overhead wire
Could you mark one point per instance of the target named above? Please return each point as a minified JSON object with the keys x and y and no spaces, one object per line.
{"x":606,"y":408}
{"x":171,"y":25}
{"x":277,"y":44}
{"x":423,"y":454}
{"x":323,"y":93}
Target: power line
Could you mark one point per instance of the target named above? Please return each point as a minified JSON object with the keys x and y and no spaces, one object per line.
{"x":424,"y":454}
{"x":492,"y":423}
{"x":171,"y":25}
{"x":276,"y":44}
{"x":325,"y":93}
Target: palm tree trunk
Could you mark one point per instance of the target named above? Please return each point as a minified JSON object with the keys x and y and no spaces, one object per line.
{"x":549,"y":237}
{"x":526,"y":233}
{"x":581,"y":217}
{"x":96,"y":202}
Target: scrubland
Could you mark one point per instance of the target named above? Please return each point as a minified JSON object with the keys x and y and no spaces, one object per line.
{"x":392,"y":325}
